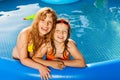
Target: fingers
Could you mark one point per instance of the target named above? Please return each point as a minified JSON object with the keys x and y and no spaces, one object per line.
{"x":63,"y":66}
{"x":48,"y":70}
{"x":57,"y":64}
{"x":60,"y":65}
{"x":45,"y":76}
{"x":49,"y":76}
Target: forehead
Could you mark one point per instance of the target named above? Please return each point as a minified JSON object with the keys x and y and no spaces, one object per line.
{"x":47,"y":16}
{"x":62,"y":26}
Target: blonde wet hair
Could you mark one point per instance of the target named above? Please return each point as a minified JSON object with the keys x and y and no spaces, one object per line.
{"x":34,"y":36}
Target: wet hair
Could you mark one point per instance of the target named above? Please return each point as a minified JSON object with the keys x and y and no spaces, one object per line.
{"x":59,"y":21}
{"x":34,"y":36}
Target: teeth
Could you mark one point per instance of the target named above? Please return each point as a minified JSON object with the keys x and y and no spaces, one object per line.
{"x":60,"y":37}
{"x":44,"y":28}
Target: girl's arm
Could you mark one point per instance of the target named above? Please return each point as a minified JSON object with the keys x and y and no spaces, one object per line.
{"x":78,"y":58}
{"x":38,"y":57}
{"x":23,"y":55}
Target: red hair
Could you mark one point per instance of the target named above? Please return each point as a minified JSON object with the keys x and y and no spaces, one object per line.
{"x":66,"y":22}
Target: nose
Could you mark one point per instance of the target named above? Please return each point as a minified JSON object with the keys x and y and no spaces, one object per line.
{"x":61,"y":32}
{"x":46,"y":23}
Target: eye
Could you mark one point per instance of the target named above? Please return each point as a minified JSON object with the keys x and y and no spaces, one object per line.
{"x":65,"y":32}
{"x":57,"y":31}
{"x":42,"y":21}
{"x":49,"y":22}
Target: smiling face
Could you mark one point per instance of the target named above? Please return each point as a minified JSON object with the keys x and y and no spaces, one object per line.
{"x":61,"y":32}
{"x":46,"y":24}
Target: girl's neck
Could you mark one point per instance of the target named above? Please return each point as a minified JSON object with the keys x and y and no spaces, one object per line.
{"x":41,"y":36}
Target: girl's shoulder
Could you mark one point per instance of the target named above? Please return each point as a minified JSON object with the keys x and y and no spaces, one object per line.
{"x":25,"y":31}
{"x":71,"y":43}
{"x":23,"y":35}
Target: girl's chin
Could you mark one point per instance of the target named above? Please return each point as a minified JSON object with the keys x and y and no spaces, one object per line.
{"x":43,"y":33}
{"x":60,"y":41}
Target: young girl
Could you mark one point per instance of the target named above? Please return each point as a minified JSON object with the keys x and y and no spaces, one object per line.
{"x":60,"y":48}
{"x":31,"y":38}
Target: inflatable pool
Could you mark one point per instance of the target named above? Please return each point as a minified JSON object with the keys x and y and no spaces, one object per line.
{"x":108,"y":70}
{"x":59,"y":1}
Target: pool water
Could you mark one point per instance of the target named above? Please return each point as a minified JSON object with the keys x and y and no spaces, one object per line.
{"x":95,"y":25}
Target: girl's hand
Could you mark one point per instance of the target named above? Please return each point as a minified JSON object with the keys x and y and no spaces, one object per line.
{"x":57,"y":64}
{"x":44,"y":73}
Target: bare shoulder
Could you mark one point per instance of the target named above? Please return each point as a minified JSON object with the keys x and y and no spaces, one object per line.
{"x":72,"y":46}
{"x":23,"y":36}
{"x":22,"y":39}
{"x":71,"y":43}
{"x":24,"y":32}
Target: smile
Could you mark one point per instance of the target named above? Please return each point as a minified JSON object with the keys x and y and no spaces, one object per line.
{"x":45,"y":29}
